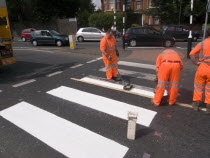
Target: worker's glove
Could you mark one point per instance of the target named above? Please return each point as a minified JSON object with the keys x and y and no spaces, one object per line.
{"x":156,"y":80}
{"x":109,"y":58}
{"x":117,"y":54}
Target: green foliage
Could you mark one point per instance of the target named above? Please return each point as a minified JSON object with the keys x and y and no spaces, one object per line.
{"x":105,"y":20}
{"x":44,"y":10}
{"x":169,"y":11}
{"x":83,"y":16}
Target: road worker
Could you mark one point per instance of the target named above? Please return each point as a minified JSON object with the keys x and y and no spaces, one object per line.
{"x":109,"y":52}
{"x":202,"y":76}
{"x":168,"y":67}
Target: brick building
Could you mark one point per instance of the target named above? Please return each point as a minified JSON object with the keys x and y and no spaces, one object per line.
{"x":137,"y":6}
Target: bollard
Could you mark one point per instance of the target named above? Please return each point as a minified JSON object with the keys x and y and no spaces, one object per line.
{"x":72,"y":41}
{"x":132,"y":118}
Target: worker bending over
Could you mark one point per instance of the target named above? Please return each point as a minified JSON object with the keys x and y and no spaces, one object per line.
{"x":168,"y":67}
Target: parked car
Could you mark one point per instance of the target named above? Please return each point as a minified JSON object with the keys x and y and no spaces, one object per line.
{"x":89,"y":34}
{"x":147,"y":36}
{"x":180,"y":32}
{"x":26,"y":34}
{"x":48,"y":37}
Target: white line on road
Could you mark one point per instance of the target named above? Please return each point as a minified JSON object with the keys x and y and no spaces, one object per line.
{"x":135,"y":74}
{"x":76,"y":66}
{"x":91,"y":61}
{"x":33,"y":50}
{"x":23,"y":83}
{"x":147,"y":66}
{"x":102,"y":104}
{"x":99,"y":58}
{"x":145,"y":47}
{"x":64,"y":136}
{"x":55,"y":73}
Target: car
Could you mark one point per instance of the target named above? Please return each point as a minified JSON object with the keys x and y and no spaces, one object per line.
{"x":89,"y":34}
{"x":147,"y":36}
{"x":180,"y":32}
{"x":48,"y":37}
{"x":26,"y":34}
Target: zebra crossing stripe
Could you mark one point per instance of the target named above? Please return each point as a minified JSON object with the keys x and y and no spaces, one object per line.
{"x":64,"y":136}
{"x":135,"y":74}
{"x":102,"y":104}
{"x":132,"y":64}
{"x":142,"y":91}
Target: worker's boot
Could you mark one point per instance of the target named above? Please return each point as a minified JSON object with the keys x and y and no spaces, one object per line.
{"x":117,"y":78}
{"x":196,"y":105}
{"x":208,"y":108}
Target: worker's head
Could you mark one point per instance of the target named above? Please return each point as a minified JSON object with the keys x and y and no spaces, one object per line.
{"x":208,"y":32}
{"x":109,"y":33}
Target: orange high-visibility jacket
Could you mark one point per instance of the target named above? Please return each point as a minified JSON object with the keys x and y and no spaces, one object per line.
{"x":108,"y":45}
{"x":205,"y":54}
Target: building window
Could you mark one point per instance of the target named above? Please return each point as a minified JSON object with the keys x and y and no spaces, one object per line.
{"x":128,"y":4}
{"x":118,"y":5}
{"x":150,"y":3}
{"x":156,"y":20}
{"x":111,"y":4}
{"x":138,"y":4}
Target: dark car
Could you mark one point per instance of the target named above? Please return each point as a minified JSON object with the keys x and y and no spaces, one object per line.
{"x":180,"y":32}
{"x":48,"y":37}
{"x":26,"y":34}
{"x":147,"y":36}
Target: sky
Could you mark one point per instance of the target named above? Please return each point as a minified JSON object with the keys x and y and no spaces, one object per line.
{"x":97,"y":3}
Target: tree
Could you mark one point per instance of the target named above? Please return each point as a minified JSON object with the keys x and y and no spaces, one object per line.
{"x":169,"y":11}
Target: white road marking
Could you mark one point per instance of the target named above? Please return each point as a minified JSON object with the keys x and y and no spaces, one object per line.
{"x":102,"y":104}
{"x":99,"y":58}
{"x":55,"y":73}
{"x":1,"y":91}
{"x":76,"y":66}
{"x":23,"y":83}
{"x":64,"y":136}
{"x":91,"y":61}
{"x":132,"y":64}
{"x":33,"y":50}
{"x":135,"y":74}
{"x":145,"y":47}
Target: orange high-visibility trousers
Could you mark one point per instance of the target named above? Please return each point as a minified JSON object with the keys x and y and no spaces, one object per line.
{"x":110,"y":66}
{"x":168,"y":74}
{"x":201,"y":82}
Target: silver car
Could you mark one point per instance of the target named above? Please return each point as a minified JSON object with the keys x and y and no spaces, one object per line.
{"x":89,"y":34}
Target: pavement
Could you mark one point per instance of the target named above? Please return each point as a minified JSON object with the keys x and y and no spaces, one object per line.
{"x":55,"y":104}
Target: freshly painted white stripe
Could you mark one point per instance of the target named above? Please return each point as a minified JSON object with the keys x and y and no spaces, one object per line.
{"x":75,"y":66}
{"x":64,"y":136}
{"x":23,"y":83}
{"x":141,"y":90}
{"x":145,"y":47}
{"x":43,"y":51}
{"x":106,"y":105}
{"x":55,"y":73}
{"x":0,"y":91}
{"x":91,"y":61}
{"x":135,"y":74}
{"x":99,"y":58}
{"x":147,"y":66}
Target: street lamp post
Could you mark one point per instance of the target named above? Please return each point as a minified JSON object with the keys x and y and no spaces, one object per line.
{"x":189,"y":48}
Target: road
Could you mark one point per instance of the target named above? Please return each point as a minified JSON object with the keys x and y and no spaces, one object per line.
{"x":55,"y":104}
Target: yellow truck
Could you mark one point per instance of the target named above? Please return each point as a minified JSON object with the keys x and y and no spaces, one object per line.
{"x":6,"y":51}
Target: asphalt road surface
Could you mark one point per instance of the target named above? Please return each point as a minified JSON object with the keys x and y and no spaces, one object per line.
{"x":56,"y":104}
